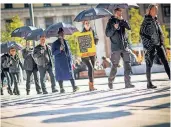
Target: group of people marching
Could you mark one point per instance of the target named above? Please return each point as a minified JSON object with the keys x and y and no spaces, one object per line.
{"x":39,"y":59}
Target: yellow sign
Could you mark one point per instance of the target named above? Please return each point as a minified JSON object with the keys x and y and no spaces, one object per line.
{"x":85,"y":43}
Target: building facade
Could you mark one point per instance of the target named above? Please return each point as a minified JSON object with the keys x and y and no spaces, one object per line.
{"x":47,"y":14}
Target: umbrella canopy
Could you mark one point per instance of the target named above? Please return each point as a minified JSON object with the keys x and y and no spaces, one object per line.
{"x":52,"y":30}
{"x":92,"y":13}
{"x":113,"y":6}
{"x":6,"y":46}
{"x":34,"y":34}
{"x":22,"y":31}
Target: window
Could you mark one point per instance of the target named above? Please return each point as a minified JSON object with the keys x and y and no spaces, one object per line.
{"x":166,"y":10}
{"x":26,"y":5}
{"x":28,"y":22}
{"x":48,"y":21}
{"x":8,"y":6}
{"x":8,"y":21}
{"x":65,"y":4}
{"x":47,"y":5}
{"x":67,"y":19}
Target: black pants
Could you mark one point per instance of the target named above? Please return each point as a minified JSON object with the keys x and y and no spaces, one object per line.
{"x":90,"y":62}
{"x":72,"y":83}
{"x":15,"y":77}
{"x":149,"y":57}
{"x":77,"y":73}
{"x":42,"y":71}
{"x":36,"y":80}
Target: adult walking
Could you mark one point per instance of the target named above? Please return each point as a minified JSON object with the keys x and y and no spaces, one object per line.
{"x":14,"y":69}
{"x":152,"y":39}
{"x":31,"y":68}
{"x":63,"y":61}
{"x":43,"y":58}
{"x":115,"y":29}
{"x":90,"y":61}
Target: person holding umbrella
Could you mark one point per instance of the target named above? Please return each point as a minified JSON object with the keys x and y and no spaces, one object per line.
{"x":90,"y":61}
{"x":63,"y":61}
{"x":30,"y":67}
{"x":152,"y":40}
{"x":14,"y":68}
{"x":115,"y":29}
{"x":43,"y":58}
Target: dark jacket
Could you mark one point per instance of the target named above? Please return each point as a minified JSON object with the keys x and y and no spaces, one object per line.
{"x":15,"y":64}
{"x":118,"y":37}
{"x":29,"y":63}
{"x":5,"y":60}
{"x":40,"y":57}
{"x":96,"y":39}
{"x":151,"y":32}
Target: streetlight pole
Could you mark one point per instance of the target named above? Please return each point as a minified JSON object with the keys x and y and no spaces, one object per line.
{"x":31,"y":18}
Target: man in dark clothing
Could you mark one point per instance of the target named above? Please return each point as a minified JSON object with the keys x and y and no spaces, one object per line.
{"x":152,"y":39}
{"x":14,"y":69}
{"x":5,"y":64}
{"x":43,"y":58}
{"x":115,"y":29}
{"x":31,"y":67}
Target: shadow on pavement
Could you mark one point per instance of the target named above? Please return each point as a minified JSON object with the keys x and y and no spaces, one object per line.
{"x":87,"y":117}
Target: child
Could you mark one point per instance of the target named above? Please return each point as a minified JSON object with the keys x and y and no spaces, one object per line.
{"x":14,"y":69}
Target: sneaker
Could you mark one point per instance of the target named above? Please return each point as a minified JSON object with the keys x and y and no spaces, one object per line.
{"x":39,"y":92}
{"x":54,"y":90}
{"x":45,"y":92}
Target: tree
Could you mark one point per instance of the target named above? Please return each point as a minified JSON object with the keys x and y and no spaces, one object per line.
{"x":9,"y":27}
{"x":135,"y":22}
{"x":166,"y":38}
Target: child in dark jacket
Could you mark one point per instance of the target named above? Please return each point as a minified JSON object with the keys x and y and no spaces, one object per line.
{"x":14,"y":69}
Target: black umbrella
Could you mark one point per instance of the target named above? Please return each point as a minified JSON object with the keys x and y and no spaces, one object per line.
{"x":113,"y":6}
{"x":52,"y":30}
{"x":6,"y":46}
{"x":34,"y":34}
{"x":22,"y":31}
{"x":92,"y":13}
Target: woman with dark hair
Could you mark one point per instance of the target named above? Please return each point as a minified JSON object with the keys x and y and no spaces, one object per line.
{"x":90,"y":61}
{"x":152,"y":39}
{"x":63,"y":61}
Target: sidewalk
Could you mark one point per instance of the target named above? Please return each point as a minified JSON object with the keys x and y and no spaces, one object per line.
{"x":135,"y":107}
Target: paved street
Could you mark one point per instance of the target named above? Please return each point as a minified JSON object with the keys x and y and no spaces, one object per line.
{"x":135,"y":107}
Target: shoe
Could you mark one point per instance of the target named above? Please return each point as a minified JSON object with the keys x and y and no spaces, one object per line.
{"x":129,"y":86}
{"x":10,"y":92}
{"x":151,"y":86}
{"x":18,"y":92}
{"x":62,"y":90}
{"x":76,"y":89}
{"x":45,"y":92}
{"x":91,"y":86}
{"x":28,"y":92}
{"x":14,"y":92}
{"x":54,"y":90}
{"x":39,"y":92}
{"x":2,"y":93}
{"x":110,"y":85}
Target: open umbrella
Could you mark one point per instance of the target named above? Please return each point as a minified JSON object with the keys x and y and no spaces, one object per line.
{"x":6,"y":46}
{"x":34,"y":34}
{"x":52,"y":30}
{"x":113,"y":6}
{"x":92,"y":14}
{"x":22,"y":31}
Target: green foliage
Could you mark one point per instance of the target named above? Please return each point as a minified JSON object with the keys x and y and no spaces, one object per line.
{"x":9,"y":27}
{"x":73,"y":44}
{"x":166,"y":36}
{"x":135,"y":22}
